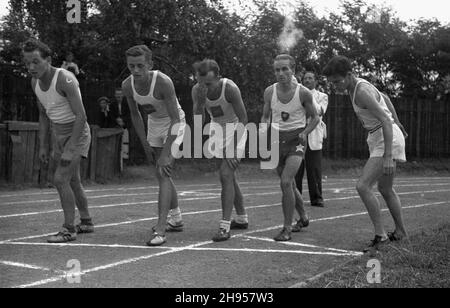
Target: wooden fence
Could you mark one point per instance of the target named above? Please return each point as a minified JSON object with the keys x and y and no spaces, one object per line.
{"x":426,"y":122}
{"x":19,"y":155}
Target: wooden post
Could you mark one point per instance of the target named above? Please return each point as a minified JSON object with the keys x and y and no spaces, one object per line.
{"x":418,"y":128}
{"x":93,"y":154}
{"x":17,"y":157}
{"x":3,"y":151}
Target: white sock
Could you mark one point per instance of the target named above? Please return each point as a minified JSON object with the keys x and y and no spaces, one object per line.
{"x":242,"y":219}
{"x":175,"y":215}
{"x":225,"y":224}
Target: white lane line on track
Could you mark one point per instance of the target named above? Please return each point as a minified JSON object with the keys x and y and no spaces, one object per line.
{"x":333,"y":252}
{"x":134,"y":260}
{"x":111,"y":265}
{"x":204,"y":192}
{"x":196,"y":199}
{"x":348,"y":216}
{"x":324,"y":182}
{"x":266,"y":239}
{"x":29,"y":266}
{"x":199,"y":212}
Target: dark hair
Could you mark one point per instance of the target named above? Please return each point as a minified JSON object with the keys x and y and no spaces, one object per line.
{"x":206,"y":66}
{"x":140,"y":50}
{"x":310,"y":72}
{"x":33,"y":45}
{"x":103,"y":98}
{"x":286,"y":57}
{"x":71,"y":69}
{"x":338,"y":65}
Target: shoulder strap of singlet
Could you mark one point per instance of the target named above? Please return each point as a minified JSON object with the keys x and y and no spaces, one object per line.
{"x":297,"y":94}
{"x":152,"y":87}
{"x":224,"y":87}
{"x":356,"y":89}
{"x":55,"y":78}
{"x":274,"y":94}
{"x":365,"y":81}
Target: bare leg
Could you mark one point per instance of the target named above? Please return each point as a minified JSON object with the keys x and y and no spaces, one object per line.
{"x":287,"y":188}
{"x":372,"y":172}
{"x":80,"y":195}
{"x":299,"y":203}
{"x":238,"y":198}
{"x":228,"y":190}
{"x":62,"y":179}
{"x":385,"y":187}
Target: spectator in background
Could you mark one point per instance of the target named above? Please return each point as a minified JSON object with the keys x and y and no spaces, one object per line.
{"x":120,"y":106}
{"x":106,"y":117}
{"x":70,"y":65}
{"x":313,"y":155}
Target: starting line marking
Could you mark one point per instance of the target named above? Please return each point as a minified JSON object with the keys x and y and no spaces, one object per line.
{"x":29,"y":266}
{"x":190,"y":247}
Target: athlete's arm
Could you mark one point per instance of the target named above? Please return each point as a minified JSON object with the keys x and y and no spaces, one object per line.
{"x":167,"y":89}
{"x":198,"y":94}
{"x":267,"y":111}
{"x":311,"y":113}
{"x":394,"y":113}
{"x":323,"y":104}
{"x":367,"y":98}
{"x":234,"y":97}
{"x":137,"y":121}
{"x":44,"y":126}
{"x":67,"y":84}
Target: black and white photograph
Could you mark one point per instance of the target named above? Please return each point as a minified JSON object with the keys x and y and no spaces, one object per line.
{"x":224,"y":151}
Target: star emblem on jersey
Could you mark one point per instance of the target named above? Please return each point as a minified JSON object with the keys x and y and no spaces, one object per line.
{"x":285,"y":116}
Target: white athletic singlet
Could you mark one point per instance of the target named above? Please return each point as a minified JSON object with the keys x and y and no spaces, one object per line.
{"x":56,"y":106}
{"x":155,"y":108}
{"x":221,"y":111}
{"x":369,"y":121}
{"x":290,"y":116}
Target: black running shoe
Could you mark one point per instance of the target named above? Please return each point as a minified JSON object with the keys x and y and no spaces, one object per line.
{"x":300,"y":225}
{"x":375,"y":244}
{"x":221,"y":236}
{"x":238,"y":226}
{"x":283,"y":236}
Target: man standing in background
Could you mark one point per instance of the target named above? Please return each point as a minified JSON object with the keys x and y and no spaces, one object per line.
{"x":313,"y":155}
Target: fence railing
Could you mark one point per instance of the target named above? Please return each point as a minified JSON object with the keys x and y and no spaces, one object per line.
{"x":427,"y":123}
{"x":19,"y":154}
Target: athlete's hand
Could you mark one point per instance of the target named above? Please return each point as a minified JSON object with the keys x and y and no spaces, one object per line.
{"x":66,"y":158}
{"x":233,"y":163}
{"x":303,"y":138}
{"x":405,"y":134}
{"x":388,"y":166}
{"x":165,"y":164}
{"x":151,"y":155}
{"x":43,"y":156}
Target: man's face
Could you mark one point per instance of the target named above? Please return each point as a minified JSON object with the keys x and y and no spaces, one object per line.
{"x":138,"y":66}
{"x":309,"y":81}
{"x":341,"y":83}
{"x":118,"y":95}
{"x":36,"y":64}
{"x":283,"y":71}
{"x":103,"y":105}
{"x":209,"y":80}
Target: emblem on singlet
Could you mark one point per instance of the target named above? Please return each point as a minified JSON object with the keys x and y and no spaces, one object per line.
{"x":148,"y":109}
{"x":217,"y":111}
{"x":285,"y":116}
